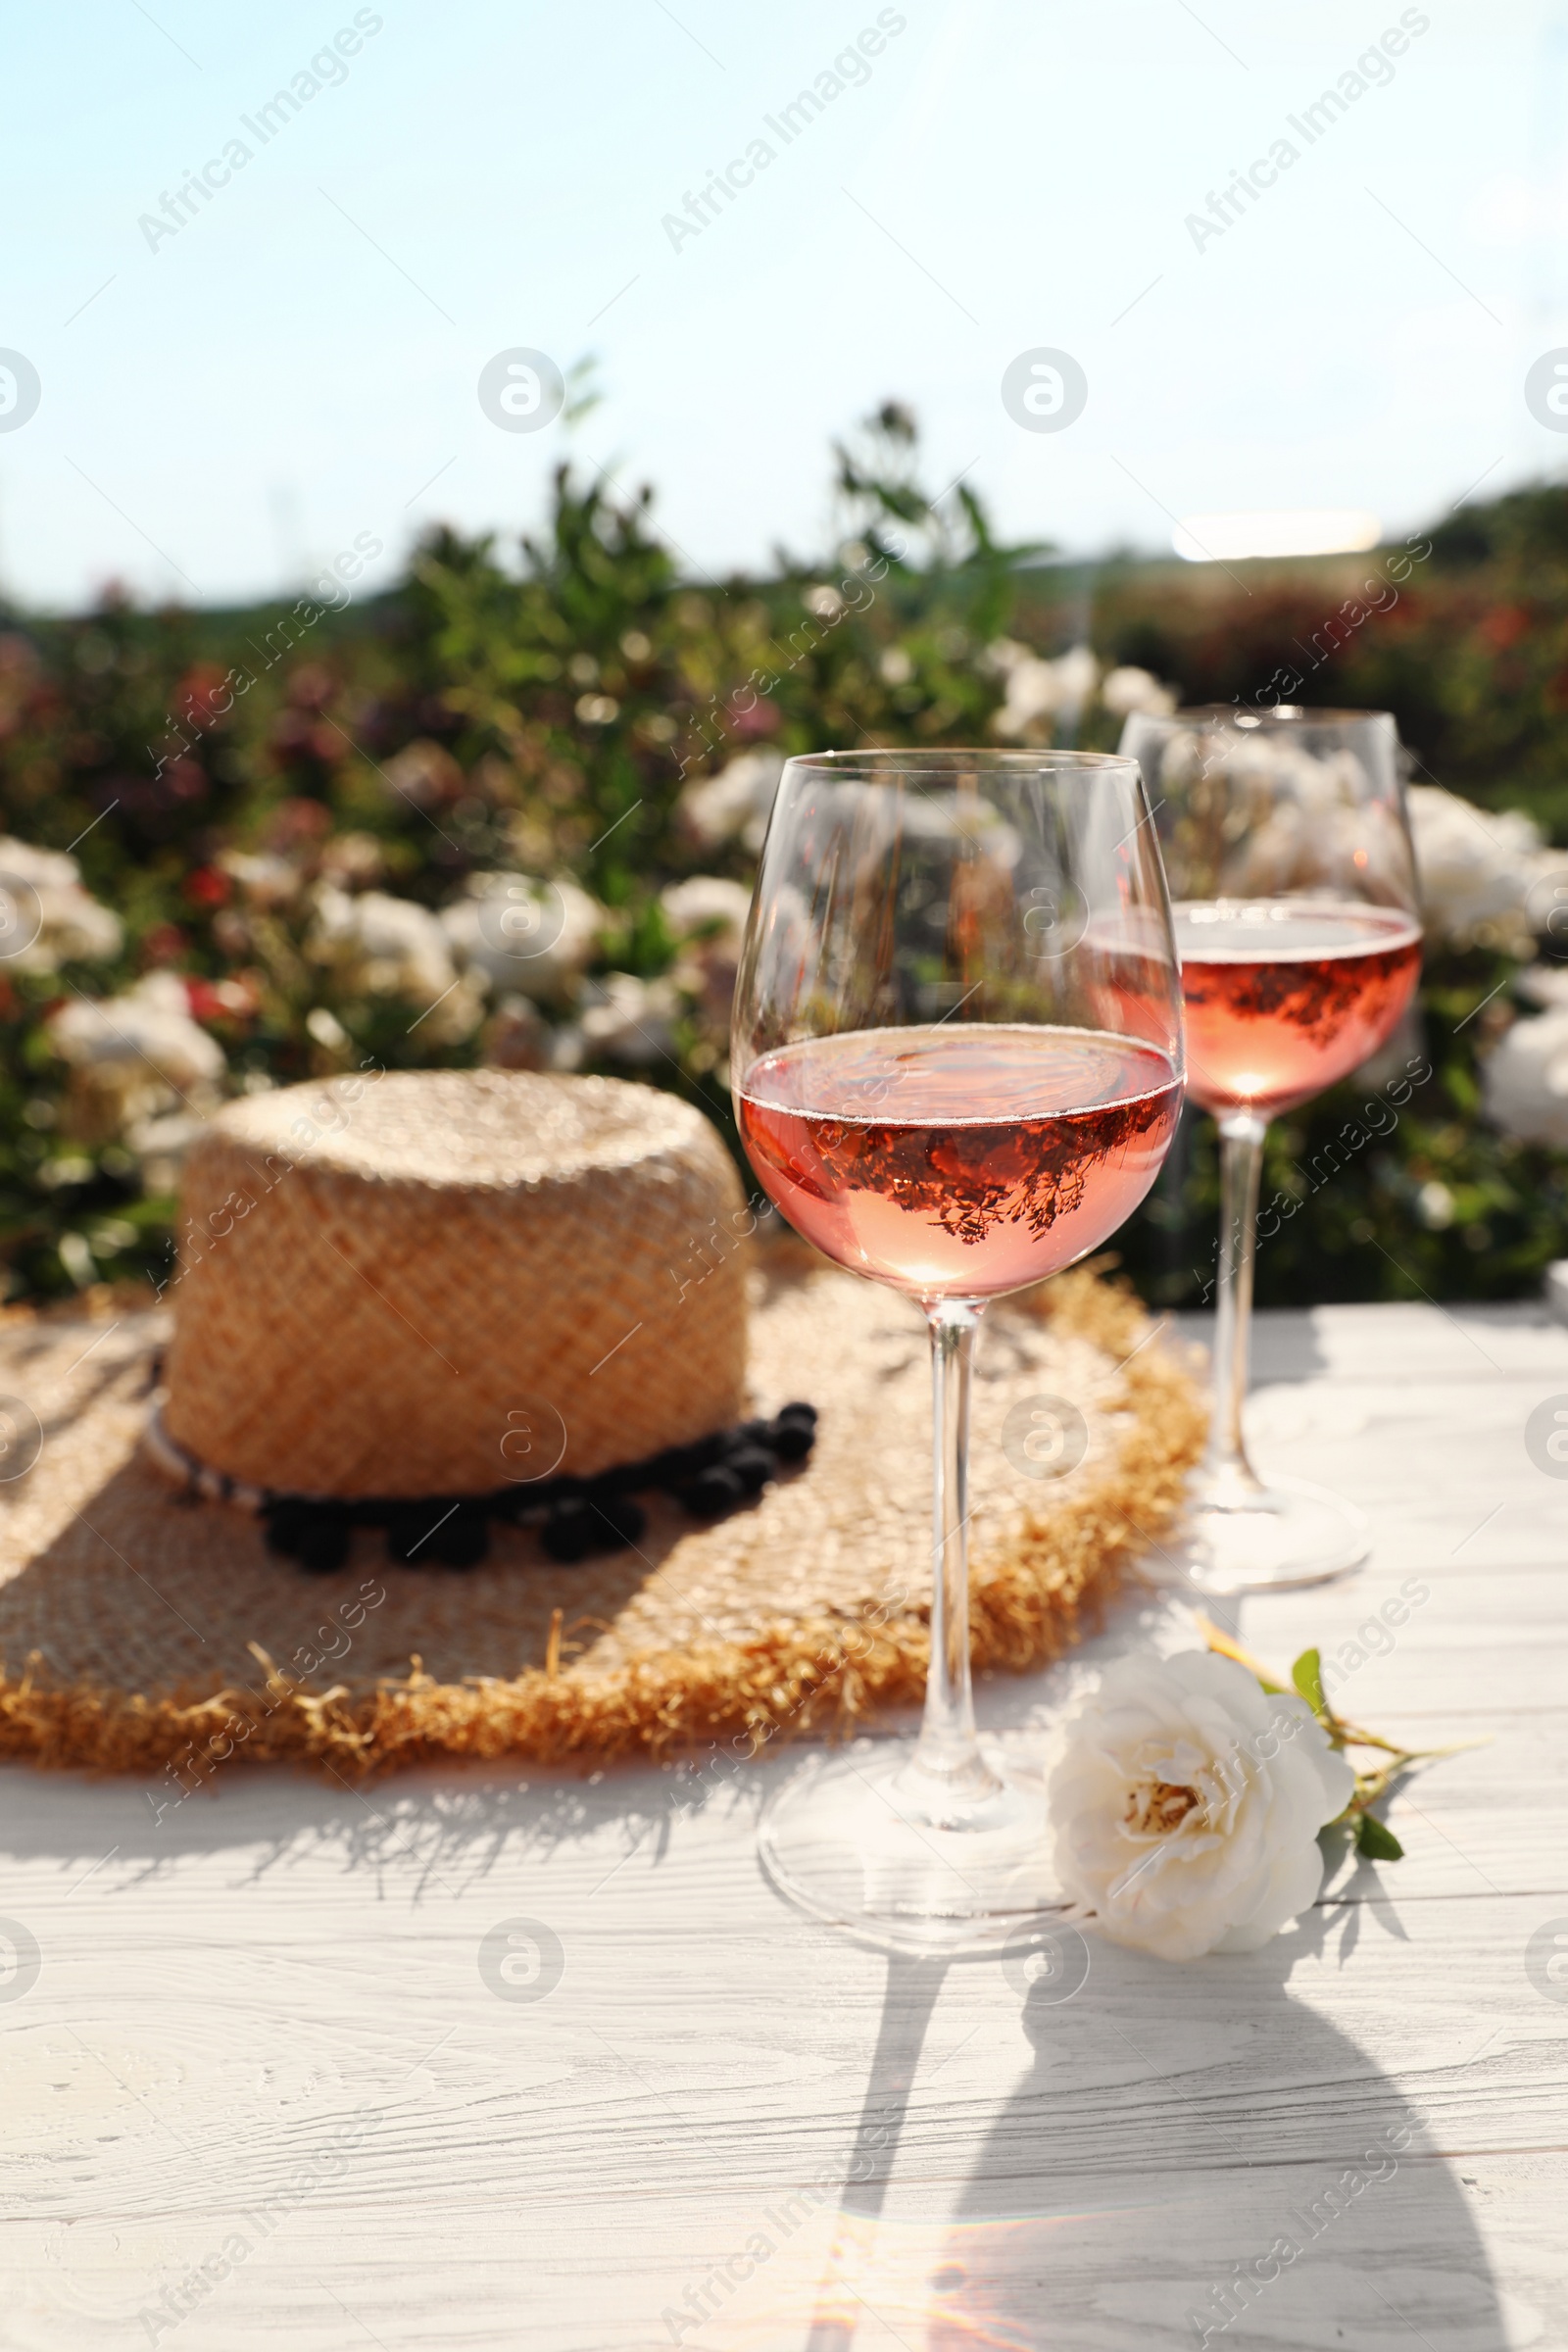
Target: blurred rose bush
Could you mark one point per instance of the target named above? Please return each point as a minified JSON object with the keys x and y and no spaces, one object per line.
{"x":510,"y":812}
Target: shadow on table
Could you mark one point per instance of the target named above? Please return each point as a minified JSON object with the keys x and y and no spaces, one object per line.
{"x":1195,"y":2157}
{"x":1285,"y":1345}
{"x":424,"y":1828}
{"x":1192,"y":2154}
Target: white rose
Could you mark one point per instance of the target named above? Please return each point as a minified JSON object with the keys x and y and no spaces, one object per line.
{"x":135,"y":1058}
{"x":1130,"y":689}
{"x":1481,"y":870}
{"x":386,"y":947}
{"x":1188,"y":1806}
{"x":628,"y":1020}
{"x":1524,"y":1079}
{"x":46,"y":917}
{"x":736,"y":802}
{"x":514,"y":932}
{"x":708,"y":904}
{"x":1037,"y":691}
{"x":146,"y":1034}
{"x":264,"y":879}
{"x":708,"y":917}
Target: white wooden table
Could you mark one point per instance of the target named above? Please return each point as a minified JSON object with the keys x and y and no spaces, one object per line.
{"x":261,"y":2035}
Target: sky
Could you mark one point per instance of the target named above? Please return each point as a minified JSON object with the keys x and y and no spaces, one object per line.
{"x":232,"y":392}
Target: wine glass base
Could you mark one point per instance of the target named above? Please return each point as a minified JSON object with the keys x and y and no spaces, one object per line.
{"x":856,"y":1839}
{"x":1271,"y":1539}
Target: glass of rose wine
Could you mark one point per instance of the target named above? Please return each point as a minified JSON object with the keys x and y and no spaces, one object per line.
{"x":1288,"y":852}
{"x":956,"y":1064}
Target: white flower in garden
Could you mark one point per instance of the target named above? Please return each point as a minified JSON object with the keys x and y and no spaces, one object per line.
{"x":1031,"y":698}
{"x":1545,"y":984}
{"x":1304,"y":845}
{"x":1478,"y":869}
{"x":517,"y":1037}
{"x":1311,"y":825}
{"x":1128,"y":689}
{"x":734,"y":804}
{"x":141,"y":1069}
{"x":147,"y":1035}
{"x":567,"y":1048}
{"x":385,"y":947}
{"x":379,"y":945}
{"x":1188,"y":1804}
{"x":353,"y":860}
{"x":1077,"y":673}
{"x":1434,"y":1205}
{"x":264,"y":878}
{"x":324,"y":1025}
{"x":161,"y":1144}
{"x":708,"y":916}
{"x":1547,"y":908}
{"x":46,"y":917}
{"x":532,"y":938}
{"x":1036,"y":689}
{"x":1524,"y":1079}
{"x":705,"y":903}
{"x":423,"y":774}
{"x":627,"y":1020}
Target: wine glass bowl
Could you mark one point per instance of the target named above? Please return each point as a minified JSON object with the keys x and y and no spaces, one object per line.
{"x":1292,"y":879}
{"x":957,"y":1047}
{"x":956,"y":1064}
{"x":1287,"y":996}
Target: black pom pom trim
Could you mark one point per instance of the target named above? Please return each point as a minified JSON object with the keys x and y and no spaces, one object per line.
{"x":578,"y":1517}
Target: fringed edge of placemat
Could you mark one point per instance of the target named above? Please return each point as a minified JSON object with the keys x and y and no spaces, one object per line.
{"x":821,"y":1674}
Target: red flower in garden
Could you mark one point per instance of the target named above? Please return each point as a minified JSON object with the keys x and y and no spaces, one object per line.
{"x":760,"y":717}
{"x":1506,"y":626}
{"x":310,"y":687}
{"x":297,"y":824}
{"x":297,"y":735}
{"x":184,"y":780}
{"x":21,"y":677}
{"x":232,"y":999}
{"x":203,"y":696}
{"x":164,"y":943}
{"x":208,"y":887}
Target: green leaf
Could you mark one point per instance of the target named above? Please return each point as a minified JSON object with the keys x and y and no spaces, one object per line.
{"x":1376,"y":1840}
{"x":1307,"y":1676}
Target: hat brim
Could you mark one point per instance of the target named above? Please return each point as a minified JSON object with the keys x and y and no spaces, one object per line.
{"x":143,"y":1631}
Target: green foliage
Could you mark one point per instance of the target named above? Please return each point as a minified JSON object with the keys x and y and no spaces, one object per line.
{"x":1375,"y":1839}
{"x":1307,"y":1676}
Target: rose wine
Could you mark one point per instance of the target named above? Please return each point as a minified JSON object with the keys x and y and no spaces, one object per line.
{"x":959,"y":1162}
{"x":1284,"y":996}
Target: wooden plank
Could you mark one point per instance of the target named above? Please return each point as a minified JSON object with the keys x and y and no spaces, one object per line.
{"x":273,"y":1997}
{"x":1125,"y":2262}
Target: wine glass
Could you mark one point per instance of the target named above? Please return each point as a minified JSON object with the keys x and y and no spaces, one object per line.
{"x":956,"y":1063}
{"x":1288,"y":850}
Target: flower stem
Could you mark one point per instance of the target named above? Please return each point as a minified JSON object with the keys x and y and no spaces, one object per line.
{"x":1369,"y":1786}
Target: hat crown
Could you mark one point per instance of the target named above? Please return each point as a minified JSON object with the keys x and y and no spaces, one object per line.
{"x":465,"y":1127}
{"x":442,"y":1281}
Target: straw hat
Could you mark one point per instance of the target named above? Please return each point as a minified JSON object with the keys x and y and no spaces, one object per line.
{"x":433,"y":1282}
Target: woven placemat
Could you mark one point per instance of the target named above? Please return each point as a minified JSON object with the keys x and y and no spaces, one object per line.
{"x":141,"y":1631}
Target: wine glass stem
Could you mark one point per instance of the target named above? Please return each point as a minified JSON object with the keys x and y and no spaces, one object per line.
{"x":947,"y":1748}
{"x":1241,"y":1163}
